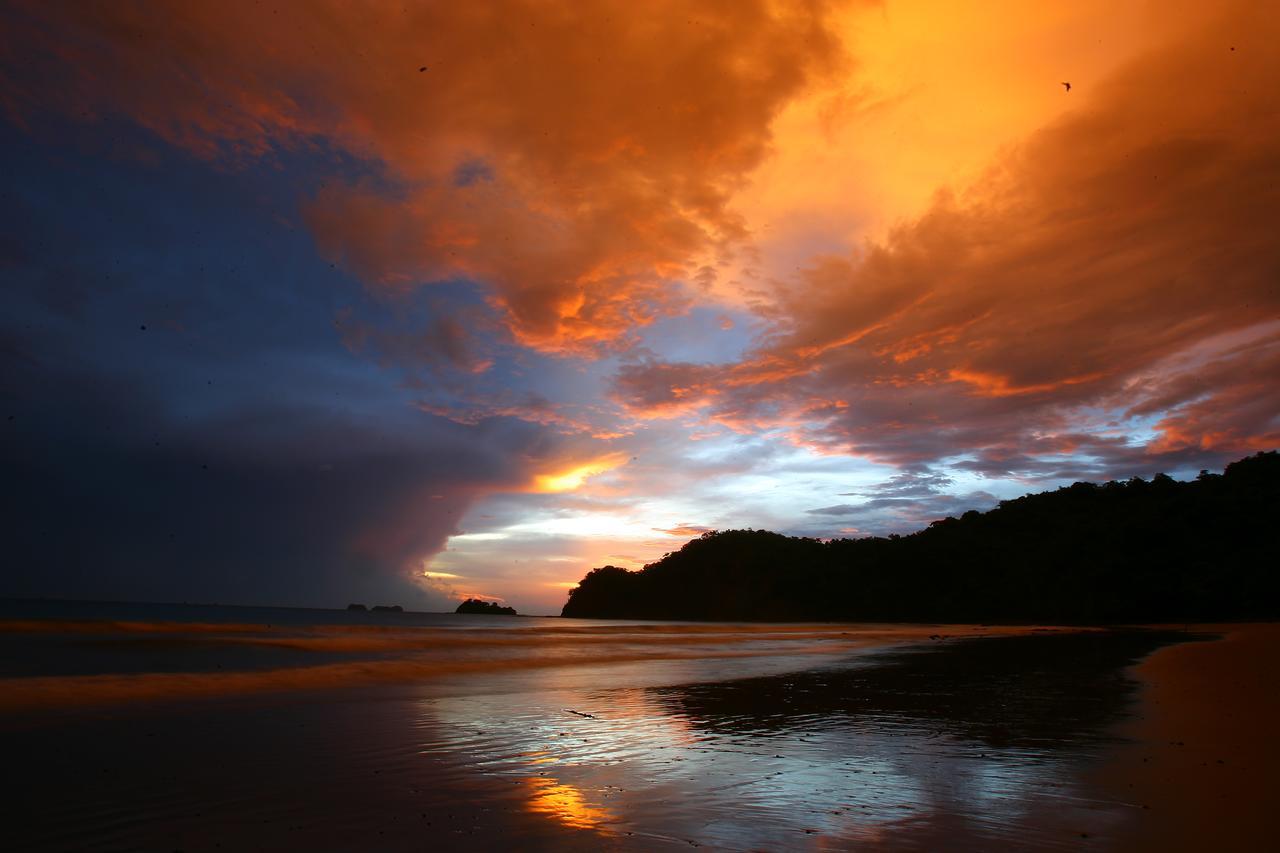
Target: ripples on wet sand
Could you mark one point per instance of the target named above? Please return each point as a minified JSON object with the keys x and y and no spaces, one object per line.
{"x":553,"y":734}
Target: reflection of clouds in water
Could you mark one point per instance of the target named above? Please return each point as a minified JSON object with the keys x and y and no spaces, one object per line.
{"x":957,"y":744}
{"x":688,"y":770}
{"x":639,"y":768}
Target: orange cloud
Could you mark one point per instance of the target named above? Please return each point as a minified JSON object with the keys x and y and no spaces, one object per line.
{"x":992,"y":385}
{"x":578,"y":159}
{"x":596,"y":168}
{"x":1069,"y":278}
{"x":574,"y":476}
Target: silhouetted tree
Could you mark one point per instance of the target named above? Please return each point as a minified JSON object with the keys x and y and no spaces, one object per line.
{"x":485,"y":608}
{"x":1133,"y":551}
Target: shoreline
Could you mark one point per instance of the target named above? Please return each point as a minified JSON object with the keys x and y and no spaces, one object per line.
{"x":929,"y":744}
{"x":1039,"y":739}
{"x":326,"y":657}
{"x":1197,"y":769}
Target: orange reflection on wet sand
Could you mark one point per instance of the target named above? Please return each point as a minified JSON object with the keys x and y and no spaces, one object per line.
{"x":565,"y":804}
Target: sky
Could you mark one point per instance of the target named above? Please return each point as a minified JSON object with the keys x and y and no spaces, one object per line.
{"x":305,"y":304}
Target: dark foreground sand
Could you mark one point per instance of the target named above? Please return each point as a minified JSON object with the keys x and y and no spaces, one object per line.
{"x":945,"y":739}
{"x":1202,"y":770}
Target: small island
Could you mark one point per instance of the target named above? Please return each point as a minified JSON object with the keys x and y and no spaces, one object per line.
{"x":386,"y":608}
{"x":357,"y":608}
{"x":485,"y":608}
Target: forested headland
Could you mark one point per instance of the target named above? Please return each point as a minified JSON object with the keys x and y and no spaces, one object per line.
{"x":1156,"y":550}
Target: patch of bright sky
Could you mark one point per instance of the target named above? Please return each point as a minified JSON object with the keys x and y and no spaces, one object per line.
{"x":533,"y":547}
{"x":1134,"y":430}
{"x":699,"y":336}
{"x":575,"y":381}
{"x":964,"y":482}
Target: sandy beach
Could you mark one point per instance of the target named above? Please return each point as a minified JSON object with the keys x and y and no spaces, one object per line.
{"x":1200,"y":770}
{"x":661,"y":736}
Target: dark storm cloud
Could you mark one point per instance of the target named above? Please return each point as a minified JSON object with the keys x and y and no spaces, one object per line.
{"x":268,"y":505}
{"x":181,"y":419}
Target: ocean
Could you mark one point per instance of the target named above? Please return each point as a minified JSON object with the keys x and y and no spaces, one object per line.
{"x":150,"y":726}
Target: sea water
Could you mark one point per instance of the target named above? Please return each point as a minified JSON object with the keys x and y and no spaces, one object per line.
{"x":209,"y":727}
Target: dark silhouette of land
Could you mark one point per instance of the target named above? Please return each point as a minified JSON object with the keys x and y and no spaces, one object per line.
{"x":485,"y":608}
{"x":1134,"y":551}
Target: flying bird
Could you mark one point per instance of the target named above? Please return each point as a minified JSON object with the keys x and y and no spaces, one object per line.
{"x":1067,"y":86}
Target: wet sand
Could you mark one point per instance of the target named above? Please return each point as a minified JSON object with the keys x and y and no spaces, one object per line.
{"x":59,"y":663}
{"x":1200,"y":772}
{"x":823,"y":738}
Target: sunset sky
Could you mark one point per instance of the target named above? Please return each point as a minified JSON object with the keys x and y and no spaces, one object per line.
{"x":309,"y":303}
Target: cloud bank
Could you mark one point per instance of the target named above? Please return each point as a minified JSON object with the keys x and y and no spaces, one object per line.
{"x":1107,"y":292}
{"x":499,"y":287}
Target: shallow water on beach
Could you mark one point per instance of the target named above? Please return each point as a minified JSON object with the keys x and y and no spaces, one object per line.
{"x":560,"y":734}
{"x":58,"y":656}
{"x":964,"y":744}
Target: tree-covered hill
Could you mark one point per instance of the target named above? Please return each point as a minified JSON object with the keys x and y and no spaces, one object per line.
{"x":1135,"y":551}
{"x":478,"y":607}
